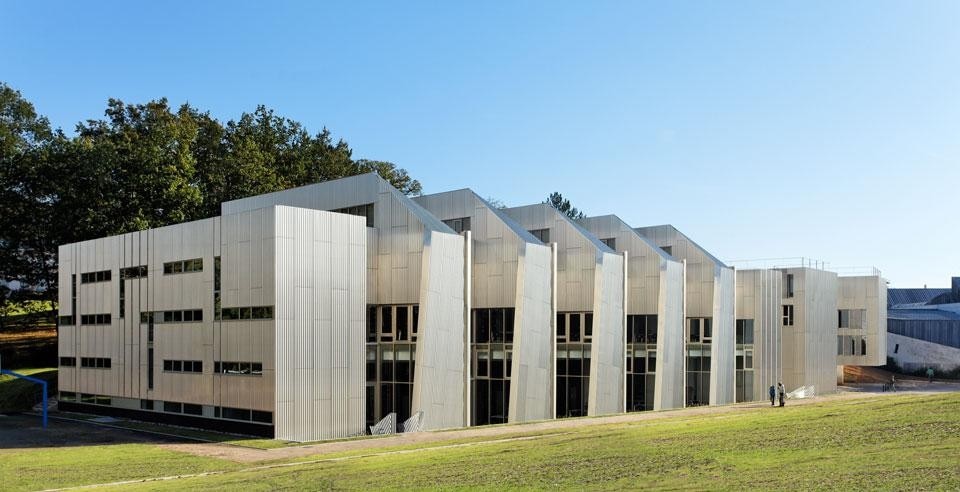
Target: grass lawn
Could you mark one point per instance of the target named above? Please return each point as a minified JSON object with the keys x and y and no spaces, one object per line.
{"x":18,"y":395}
{"x":36,"y":469}
{"x":886,"y":442}
{"x":901,"y":442}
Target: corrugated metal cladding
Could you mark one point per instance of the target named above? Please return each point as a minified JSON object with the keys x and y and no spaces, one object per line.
{"x":589,"y":279}
{"x":655,"y":286}
{"x":723,"y":348}
{"x":671,"y":360}
{"x":439,"y":371}
{"x":810,"y":346}
{"x":607,"y":350}
{"x":510,"y":268}
{"x":710,"y":293}
{"x":320,"y":281}
{"x":759,"y":293}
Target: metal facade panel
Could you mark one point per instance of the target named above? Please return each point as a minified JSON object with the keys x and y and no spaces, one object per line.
{"x":532,"y":373}
{"x":320,"y":365}
{"x":607,"y":393}
{"x":809,"y":347}
{"x":671,"y":360}
{"x":759,"y":293}
{"x":723,"y":348}
{"x":438,"y":389}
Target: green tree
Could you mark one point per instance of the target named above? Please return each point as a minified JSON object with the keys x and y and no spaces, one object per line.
{"x":557,"y":201}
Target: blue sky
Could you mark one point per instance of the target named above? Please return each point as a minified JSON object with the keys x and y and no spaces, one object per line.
{"x":762,"y":129}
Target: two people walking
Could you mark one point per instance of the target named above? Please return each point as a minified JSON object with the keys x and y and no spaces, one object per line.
{"x":774,"y":390}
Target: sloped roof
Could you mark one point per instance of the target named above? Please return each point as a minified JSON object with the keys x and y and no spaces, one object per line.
{"x":922,"y":315}
{"x":896,"y":297}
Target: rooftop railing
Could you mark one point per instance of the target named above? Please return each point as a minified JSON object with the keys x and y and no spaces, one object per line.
{"x":804,"y":262}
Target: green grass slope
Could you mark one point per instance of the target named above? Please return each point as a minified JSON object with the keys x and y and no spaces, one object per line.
{"x":882,"y":443}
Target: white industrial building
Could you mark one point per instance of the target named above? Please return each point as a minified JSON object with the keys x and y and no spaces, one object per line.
{"x":346,"y":307}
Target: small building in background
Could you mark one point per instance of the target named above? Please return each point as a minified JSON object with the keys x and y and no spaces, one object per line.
{"x":923,"y":328}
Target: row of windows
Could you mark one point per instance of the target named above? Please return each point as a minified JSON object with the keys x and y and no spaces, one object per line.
{"x":183,"y":365}
{"x":699,"y":330}
{"x":91,"y":277}
{"x":177,"y":407}
{"x":183,"y":266}
{"x":851,"y":345}
{"x":95,"y":319}
{"x":365,"y":211}
{"x":642,"y":328}
{"x":851,"y":318}
{"x":458,"y":225}
{"x":574,"y":327}
{"x":238,"y":368}
{"x":95,"y":362}
{"x":177,"y":316}
{"x":573,"y":359}
{"x":139,"y":271}
{"x":395,"y":362}
{"x":254,"y":312}
{"x":243,"y":414}
{"x":85,"y":398}
{"x":493,"y":325}
{"x":641,"y":361}
{"x":493,"y":361}
{"x":392,"y":323}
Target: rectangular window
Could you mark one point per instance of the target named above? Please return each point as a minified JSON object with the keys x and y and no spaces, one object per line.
{"x":172,"y":407}
{"x":542,"y":234}
{"x":95,"y":362}
{"x":183,"y":266}
{"x":133,"y":272}
{"x":365,"y":211}
{"x":66,"y":320}
{"x":458,"y":225}
{"x":787,"y":315}
{"x":93,"y":277}
{"x":611,"y":242}
{"x":238,"y":368}
{"x":667,"y":249}
{"x":788,"y":286}
{"x":68,"y":361}
{"x":192,"y":409}
{"x":150,"y":368}
{"x":146,"y":404}
{"x":693,"y":335}
{"x":122,"y":298}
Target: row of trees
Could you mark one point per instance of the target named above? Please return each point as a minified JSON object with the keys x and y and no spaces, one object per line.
{"x":142,"y":166}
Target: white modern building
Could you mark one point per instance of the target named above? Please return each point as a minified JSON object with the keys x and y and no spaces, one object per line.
{"x":345,"y":307}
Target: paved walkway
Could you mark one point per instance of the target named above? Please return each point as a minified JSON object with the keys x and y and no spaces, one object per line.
{"x":248,"y":455}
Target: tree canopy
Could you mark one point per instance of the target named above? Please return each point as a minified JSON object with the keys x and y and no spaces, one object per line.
{"x":143,"y":166}
{"x":557,"y":201}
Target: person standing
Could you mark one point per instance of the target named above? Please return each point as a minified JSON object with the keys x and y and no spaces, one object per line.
{"x":929,"y":374}
{"x":783,"y":392}
{"x":773,"y":394}
{"x":893,"y":383}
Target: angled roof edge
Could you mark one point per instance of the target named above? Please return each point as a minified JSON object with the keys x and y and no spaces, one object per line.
{"x":657,"y":249}
{"x":712,"y":258}
{"x":587,"y":234}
